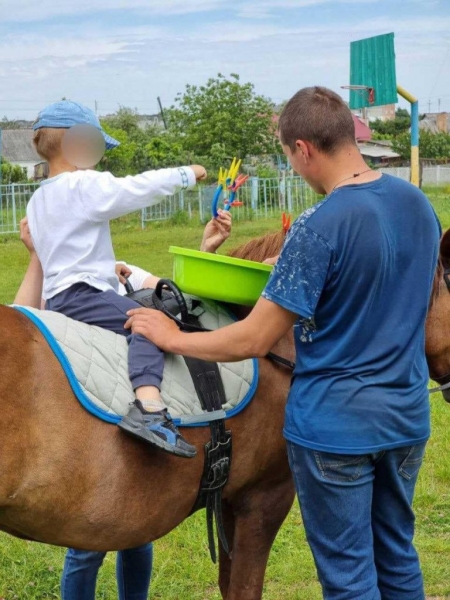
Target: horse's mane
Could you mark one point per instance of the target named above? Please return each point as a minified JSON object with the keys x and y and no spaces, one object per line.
{"x":437,"y":282}
{"x":260,"y":248}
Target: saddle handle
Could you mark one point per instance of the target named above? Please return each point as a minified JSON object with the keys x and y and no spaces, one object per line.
{"x":128,"y":287}
{"x":159,"y":304}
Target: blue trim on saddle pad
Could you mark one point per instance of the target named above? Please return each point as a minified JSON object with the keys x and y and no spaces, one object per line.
{"x":91,"y":407}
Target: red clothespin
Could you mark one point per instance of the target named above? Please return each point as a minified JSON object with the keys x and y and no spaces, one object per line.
{"x":240,"y":179}
{"x":286,"y":221}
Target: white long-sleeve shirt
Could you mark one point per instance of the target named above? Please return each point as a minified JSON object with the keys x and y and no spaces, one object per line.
{"x":69,"y":216}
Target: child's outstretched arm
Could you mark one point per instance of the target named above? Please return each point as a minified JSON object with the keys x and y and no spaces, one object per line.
{"x":30,"y":290}
{"x":104,"y":197}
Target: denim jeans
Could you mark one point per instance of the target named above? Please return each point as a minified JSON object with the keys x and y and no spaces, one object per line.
{"x":359,"y":523}
{"x":133,"y":569}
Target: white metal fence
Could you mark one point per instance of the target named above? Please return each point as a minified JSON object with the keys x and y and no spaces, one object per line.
{"x":434,"y":175}
{"x":260,"y":197}
{"x":13,"y":204}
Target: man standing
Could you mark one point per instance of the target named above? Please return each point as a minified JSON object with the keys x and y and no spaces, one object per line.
{"x":355,"y":277}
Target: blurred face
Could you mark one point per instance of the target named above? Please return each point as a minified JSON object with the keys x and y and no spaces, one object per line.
{"x":83,"y":146}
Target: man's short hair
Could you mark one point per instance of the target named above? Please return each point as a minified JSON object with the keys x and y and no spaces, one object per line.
{"x":48,"y":142}
{"x":319,"y":116}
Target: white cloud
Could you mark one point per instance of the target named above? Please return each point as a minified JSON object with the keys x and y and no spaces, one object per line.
{"x":26,"y":10}
{"x":132,"y":65}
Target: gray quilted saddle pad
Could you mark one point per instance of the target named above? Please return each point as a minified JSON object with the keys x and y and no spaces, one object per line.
{"x":95,"y":363}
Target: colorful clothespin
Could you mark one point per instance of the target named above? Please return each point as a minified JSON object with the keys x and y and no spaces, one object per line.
{"x":286,"y":222}
{"x":228,"y":180}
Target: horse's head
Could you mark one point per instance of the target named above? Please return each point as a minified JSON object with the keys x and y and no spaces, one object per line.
{"x":438,"y":321}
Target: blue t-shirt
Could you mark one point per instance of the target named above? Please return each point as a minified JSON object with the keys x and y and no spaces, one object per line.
{"x":358,"y":269}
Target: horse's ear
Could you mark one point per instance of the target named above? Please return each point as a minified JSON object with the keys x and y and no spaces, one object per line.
{"x":445,"y":248}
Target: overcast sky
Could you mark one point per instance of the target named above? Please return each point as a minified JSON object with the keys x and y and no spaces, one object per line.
{"x":128,"y":52}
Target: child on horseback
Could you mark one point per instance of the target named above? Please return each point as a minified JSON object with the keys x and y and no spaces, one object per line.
{"x":68,"y":217}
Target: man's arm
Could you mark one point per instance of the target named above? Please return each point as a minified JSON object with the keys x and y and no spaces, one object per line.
{"x":252,"y":337}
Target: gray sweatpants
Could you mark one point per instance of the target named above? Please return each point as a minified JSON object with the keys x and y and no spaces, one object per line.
{"x":108,"y":309}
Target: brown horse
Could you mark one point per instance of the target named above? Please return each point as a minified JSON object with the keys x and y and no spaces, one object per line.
{"x":72,"y":480}
{"x":438,"y":323}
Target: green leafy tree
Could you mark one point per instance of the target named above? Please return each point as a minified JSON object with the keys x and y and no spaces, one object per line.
{"x":393,"y":127}
{"x":432,"y":145}
{"x":120,"y":160}
{"x":223,"y":111}
{"x":12,"y":173}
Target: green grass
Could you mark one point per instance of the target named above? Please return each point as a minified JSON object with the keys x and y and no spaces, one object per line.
{"x":182,"y":569}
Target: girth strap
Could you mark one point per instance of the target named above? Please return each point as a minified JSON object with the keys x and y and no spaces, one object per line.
{"x":209,"y":387}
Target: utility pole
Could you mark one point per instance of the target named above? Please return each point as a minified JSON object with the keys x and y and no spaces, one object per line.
{"x":439,"y":105}
{"x":429,"y":106}
{"x":96,"y":107}
{"x":162,"y":112}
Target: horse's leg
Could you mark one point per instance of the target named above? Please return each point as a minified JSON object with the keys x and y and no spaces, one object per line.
{"x":224,"y":559}
{"x":257,"y":522}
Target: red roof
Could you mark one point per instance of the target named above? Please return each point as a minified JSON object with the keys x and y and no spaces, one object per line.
{"x":362,"y":132}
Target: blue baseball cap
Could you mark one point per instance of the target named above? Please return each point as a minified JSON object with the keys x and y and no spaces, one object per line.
{"x":66,"y":114}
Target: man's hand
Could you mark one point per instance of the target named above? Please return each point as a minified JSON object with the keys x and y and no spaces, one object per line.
{"x":216,"y":231}
{"x":154,"y":326}
{"x":25,"y":235}
{"x":122,"y":272}
{"x":199,"y":171}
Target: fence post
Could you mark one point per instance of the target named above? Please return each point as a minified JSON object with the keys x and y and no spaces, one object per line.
{"x":181,"y":200}
{"x":289,"y":193}
{"x":254,"y":193}
{"x":265,"y":198}
{"x":282,"y":190}
{"x":13,"y":206}
{"x":200,"y":203}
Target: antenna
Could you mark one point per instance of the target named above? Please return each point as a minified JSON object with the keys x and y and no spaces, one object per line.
{"x":162,"y":112}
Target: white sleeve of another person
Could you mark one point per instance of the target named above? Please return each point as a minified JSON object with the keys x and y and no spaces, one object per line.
{"x":137,"y":277}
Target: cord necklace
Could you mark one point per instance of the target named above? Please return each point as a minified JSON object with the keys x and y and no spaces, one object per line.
{"x":350,"y":177}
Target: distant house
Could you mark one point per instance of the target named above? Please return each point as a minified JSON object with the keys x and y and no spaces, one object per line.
{"x":435,"y":122}
{"x":378,"y":152}
{"x":385,"y":112}
{"x":18,"y":149}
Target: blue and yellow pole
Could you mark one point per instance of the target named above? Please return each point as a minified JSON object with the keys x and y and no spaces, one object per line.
{"x":414,"y":133}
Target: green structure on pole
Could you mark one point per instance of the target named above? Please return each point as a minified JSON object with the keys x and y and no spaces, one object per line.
{"x":373,"y":83}
{"x":372,"y":64}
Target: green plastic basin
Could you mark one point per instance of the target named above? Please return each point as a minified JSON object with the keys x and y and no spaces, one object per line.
{"x":219,"y":277}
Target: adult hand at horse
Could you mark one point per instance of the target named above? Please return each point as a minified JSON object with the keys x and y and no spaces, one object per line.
{"x":154,"y":326}
{"x":216,"y":232}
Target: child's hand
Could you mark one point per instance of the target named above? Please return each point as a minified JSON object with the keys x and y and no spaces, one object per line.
{"x":271,"y":261}
{"x":122,"y":273}
{"x":25,"y":235}
{"x":200,"y":172}
{"x":216,"y":231}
